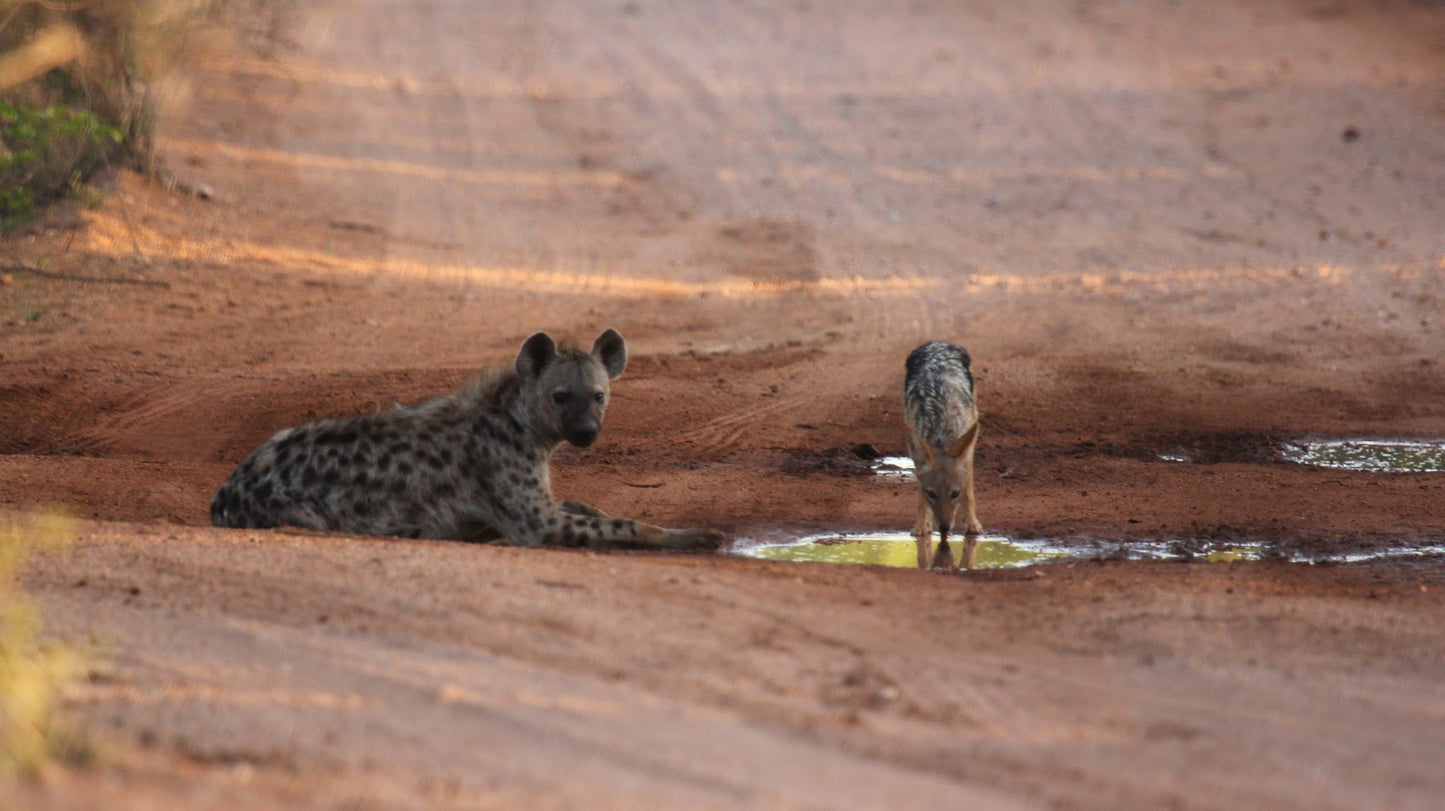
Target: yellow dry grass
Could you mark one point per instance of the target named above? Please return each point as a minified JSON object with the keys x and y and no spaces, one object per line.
{"x":33,"y":733}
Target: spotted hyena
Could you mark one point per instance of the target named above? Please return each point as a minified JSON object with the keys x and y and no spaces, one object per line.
{"x":942,"y":420}
{"x":466,"y":466}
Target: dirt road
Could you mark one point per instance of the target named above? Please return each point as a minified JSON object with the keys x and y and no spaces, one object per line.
{"x":1191,"y":230}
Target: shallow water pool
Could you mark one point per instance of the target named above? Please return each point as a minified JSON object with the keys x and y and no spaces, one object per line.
{"x":1372,"y":455}
{"x":894,"y":467}
{"x":998,"y":552}
{"x":898,"y":549}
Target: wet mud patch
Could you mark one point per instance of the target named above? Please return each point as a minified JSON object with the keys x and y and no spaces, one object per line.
{"x":1209,"y":449}
{"x":836,"y":461}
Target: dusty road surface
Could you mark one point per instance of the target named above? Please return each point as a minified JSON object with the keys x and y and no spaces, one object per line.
{"x":1180,"y":229}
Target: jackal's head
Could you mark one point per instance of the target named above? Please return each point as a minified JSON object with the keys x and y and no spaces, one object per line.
{"x":942,"y":477}
{"x":567,"y":388}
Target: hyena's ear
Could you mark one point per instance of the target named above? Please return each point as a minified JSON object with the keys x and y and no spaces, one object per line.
{"x":611,"y":351}
{"x":537,"y":352}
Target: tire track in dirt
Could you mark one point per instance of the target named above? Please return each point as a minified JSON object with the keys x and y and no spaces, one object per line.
{"x":721,"y":434}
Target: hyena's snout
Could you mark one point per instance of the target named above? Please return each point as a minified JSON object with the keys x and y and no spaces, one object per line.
{"x":582,"y":429}
{"x":583,"y":435}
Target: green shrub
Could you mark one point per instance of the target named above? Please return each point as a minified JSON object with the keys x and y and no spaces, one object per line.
{"x":70,"y":109}
{"x":46,"y":152}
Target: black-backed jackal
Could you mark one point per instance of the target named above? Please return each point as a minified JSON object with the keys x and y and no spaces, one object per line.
{"x":942,"y":421}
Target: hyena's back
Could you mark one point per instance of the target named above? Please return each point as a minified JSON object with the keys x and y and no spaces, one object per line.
{"x":938,"y":393}
{"x":386,"y":474}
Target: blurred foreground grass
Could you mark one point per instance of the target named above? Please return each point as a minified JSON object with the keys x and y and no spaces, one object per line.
{"x":33,"y":733}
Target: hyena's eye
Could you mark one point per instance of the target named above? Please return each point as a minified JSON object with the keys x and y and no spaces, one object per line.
{"x":930,"y":495}
{"x":561,"y":398}
{"x":598,"y":397}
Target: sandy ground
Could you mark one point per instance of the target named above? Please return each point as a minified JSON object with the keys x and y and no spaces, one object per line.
{"x":1160,"y":228}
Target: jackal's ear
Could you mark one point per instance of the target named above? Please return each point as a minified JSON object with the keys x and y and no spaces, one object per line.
{"x":537,"y":352}
{"x":611,"y":351}
{"x":930,"y":454}
{"x":964,"y":441}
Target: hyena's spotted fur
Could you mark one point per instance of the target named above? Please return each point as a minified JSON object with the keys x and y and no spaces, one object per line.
{"x":942,"y":421}
{"x":467,"y":466}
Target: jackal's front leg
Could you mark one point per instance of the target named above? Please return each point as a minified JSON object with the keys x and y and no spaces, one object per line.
{"x":923,"y":532}
{"x":969,"y":503}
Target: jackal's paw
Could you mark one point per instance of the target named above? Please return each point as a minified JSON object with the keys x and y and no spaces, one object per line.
{"x":975,"y":528}
{"x":696,"y":538}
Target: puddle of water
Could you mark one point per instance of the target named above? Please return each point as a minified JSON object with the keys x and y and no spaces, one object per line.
{"x":1425,"y":551}
{"x":894,"y":467}
{"x":1175,"y":457}
{"x":996,"y":552}
{"x":898,"y":549}
{"x":1175,"y":550}
{"x":1372,"y":455}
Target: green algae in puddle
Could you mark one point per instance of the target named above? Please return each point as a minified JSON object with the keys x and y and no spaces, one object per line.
{"x":898,"y":549}
{"x":1369,"y":455}
{"x":1233,"y":554}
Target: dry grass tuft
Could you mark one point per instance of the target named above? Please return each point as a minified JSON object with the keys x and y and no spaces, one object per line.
{"x":33,"y":733}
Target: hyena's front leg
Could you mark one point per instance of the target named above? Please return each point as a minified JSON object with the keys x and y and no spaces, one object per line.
{"x":599,"y":532}
{"x":626,"y":532}
{"x":543,"y":522}
{"x":579,"y":508}
{"x":923,"y":532}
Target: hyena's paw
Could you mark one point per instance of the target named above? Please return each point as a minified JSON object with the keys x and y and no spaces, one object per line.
{"x":695,"y":538}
